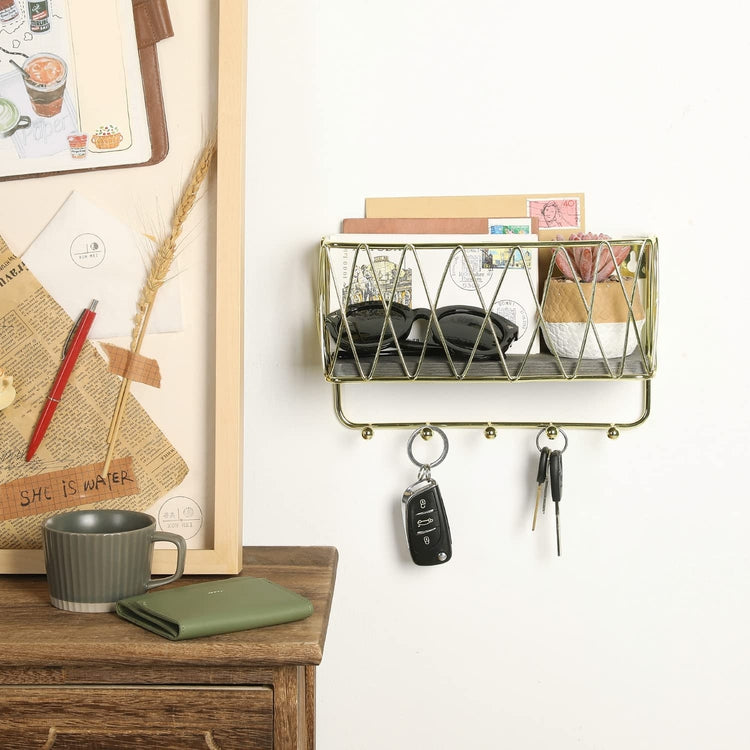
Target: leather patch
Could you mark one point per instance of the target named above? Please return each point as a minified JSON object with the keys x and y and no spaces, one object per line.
{"x":152,"y":22}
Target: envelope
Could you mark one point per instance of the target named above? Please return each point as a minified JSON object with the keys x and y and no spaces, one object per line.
{"x":558,"y":213}
{"x":86,"y":253}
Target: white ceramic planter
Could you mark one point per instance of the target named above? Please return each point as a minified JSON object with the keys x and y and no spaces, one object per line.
{"x":565,"y":316}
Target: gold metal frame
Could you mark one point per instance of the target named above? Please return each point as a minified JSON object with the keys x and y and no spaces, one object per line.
{"x":527,"y":367}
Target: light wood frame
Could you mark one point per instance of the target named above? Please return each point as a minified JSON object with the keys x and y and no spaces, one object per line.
{"x":225,"y":555}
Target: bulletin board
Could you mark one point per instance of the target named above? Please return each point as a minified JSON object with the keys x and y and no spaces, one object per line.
{"x":182,"y":440}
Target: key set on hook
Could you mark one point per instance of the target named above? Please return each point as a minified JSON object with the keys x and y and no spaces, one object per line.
{"x":428,"y":533}
{"x":425,"y":521}
{"x":549,"y":476}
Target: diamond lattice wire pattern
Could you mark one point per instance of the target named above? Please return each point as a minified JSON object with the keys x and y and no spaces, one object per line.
{"x":516,"y":281}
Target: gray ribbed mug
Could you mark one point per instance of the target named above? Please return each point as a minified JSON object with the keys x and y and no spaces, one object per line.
{"x":94,"y":558}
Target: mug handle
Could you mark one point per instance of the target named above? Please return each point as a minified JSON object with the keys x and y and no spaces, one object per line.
{"x":23,"y":122}
{"x":179,"y":542}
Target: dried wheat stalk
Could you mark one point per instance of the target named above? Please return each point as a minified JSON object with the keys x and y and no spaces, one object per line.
{"x":157,"y":275}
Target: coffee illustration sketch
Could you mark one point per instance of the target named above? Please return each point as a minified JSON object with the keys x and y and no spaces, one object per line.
{"x":68,"y":108}
{"x":11,"y":119}
{"x":45,"y":76}
{"x":8,"y":11}
{"x":39,"y":16}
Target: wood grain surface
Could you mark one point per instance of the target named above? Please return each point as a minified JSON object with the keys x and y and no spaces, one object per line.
{"x":70,"y":680}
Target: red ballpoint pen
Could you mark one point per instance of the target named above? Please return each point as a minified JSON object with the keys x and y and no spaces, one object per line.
{"x":72,"y":349}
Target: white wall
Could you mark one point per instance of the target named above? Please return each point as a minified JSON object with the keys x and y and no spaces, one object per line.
{"x":637,"y":636}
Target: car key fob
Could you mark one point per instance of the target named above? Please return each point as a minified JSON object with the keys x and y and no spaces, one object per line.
{"x":426,"y":524}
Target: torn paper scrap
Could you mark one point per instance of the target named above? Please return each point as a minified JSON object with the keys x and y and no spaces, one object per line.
{"x":86,"y":253}
{"x":58,"y":490}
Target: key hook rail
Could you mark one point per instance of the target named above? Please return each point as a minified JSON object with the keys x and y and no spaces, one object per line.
{"x":384,"y":265}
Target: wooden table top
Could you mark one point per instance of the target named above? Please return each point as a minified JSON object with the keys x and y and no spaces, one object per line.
{"x":34,"y":633}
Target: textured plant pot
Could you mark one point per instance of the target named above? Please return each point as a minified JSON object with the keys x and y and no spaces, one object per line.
{"x":565,"y":315}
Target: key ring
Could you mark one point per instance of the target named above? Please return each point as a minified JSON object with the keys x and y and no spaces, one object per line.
{"x":560,"y":431}
{"x":438,"y":460}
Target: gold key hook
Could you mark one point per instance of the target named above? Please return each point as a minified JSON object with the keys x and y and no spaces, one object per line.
{"x":552,"y":436}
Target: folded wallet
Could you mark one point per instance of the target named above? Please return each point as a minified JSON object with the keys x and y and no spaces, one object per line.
{"x":223,"y":606}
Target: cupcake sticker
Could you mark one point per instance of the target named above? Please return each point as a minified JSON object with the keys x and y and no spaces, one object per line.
{"x":107,"y":137}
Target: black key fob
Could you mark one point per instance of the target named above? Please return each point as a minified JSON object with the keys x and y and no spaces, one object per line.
{"x":426,"y":524}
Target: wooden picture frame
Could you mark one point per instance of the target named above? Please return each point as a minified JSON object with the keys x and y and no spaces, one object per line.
{"x":226,"y":554}
{"x":222,"y":552}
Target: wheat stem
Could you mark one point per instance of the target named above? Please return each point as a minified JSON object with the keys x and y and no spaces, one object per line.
{"x":157,"y":275}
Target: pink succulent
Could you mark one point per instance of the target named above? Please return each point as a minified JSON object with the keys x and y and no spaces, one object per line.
{"x":583,"y":257}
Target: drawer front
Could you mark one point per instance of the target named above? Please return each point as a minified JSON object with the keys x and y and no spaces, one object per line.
{"x":209,"y":718}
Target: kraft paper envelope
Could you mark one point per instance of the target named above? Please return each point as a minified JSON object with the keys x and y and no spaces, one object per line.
{"x":558,"y":213}
{"x":451,"y":225}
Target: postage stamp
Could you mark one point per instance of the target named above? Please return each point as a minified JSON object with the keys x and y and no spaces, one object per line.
{"x":468,"y":266}
{"x":516,"y":226}
{"x":515,"y":312}
{"x":499,"y":257}
{"x":555,"y":213}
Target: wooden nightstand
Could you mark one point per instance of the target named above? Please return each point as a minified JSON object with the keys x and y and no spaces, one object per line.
{"x":95,"y":681}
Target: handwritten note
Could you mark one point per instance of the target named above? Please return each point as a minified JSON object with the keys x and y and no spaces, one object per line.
{"x":56,"y":490}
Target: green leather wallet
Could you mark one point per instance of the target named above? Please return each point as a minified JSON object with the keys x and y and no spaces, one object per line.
{"x":223,"y":606}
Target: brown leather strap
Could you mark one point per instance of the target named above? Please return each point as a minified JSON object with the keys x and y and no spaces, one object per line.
{"x":152,"y":22}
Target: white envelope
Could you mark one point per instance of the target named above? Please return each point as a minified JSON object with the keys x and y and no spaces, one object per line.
{"x":85,"y":253}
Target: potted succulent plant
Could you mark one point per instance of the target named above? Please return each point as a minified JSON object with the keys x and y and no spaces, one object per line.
{"x":591,"y":271}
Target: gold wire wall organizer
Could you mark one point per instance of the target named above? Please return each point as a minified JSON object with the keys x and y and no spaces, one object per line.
{"x":430,"y":272}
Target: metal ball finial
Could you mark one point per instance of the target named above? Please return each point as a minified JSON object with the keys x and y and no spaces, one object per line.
{"x":490,"y":432}
{"x":426,"y":433}
{"x":552,"y":432}
{"x":613,"y":433}
{"x":367,"y":433}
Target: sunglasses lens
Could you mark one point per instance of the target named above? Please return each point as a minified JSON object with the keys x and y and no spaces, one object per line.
{"x":366,"y":323}
{"x":461,"y":330}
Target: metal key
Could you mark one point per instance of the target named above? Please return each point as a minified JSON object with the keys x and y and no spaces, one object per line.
{"x":546,"y":490}
{"x":541,"y":480}
{"x":555,"y":473}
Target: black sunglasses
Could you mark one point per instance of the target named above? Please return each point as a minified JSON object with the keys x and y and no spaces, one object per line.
{"x":462,"y":327}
